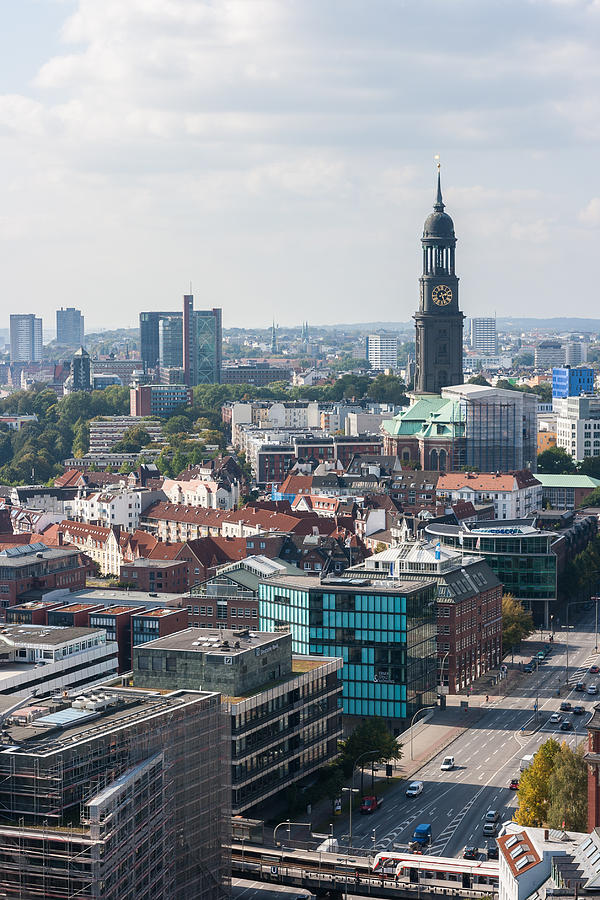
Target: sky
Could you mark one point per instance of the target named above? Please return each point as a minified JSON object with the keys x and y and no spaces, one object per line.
{"x":279,"y":156}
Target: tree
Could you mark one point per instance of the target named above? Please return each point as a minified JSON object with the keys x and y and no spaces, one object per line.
{"x":555,"y":461}
{"x":534,"y":786}
{"x":133,"y":440}
{"x":479,"y":379}
{"x":371,"y":740}
{"x":517,"y":623}
{"x":592,"y":499}
{"x":590,"y":466}
{"x":525,"y":358}
{"x":567,"y":790}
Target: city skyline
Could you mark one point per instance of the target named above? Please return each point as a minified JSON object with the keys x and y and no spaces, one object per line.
{"x":283,"y":160}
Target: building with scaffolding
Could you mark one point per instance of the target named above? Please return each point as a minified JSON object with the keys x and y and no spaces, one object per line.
{"x":284,"y":710}
{"x":115,"y":795}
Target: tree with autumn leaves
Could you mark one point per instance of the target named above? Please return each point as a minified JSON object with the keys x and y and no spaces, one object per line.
{"x":553,"y":790}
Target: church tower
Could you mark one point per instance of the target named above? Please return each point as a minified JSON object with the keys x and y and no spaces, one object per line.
{"x":439,"y":322}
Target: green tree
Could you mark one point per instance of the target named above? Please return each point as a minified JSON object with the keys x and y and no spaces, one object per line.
{"x":567,"y":790}
{"x":592,"y":499}
{"x":590,"y":466}
{"x":133,"y":440}
{"x":517,"y":623}
{"x":555,"y":461}
{"x":479,"y":379}
{"x":387,"y":389}
{"x":534,"y":786}
{"x":371,"y":739}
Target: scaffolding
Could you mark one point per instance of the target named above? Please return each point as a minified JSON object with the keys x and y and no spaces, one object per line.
{"x":135,"y":806}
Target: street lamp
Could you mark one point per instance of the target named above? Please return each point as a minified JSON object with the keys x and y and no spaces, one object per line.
{"x":418,"y":712}
{"x":288,"y":823}
{"x":444,"y":658}
{"x":350,"y":790}
{"x":356,"y":762}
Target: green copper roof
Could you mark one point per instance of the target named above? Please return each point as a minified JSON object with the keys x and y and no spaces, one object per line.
{"x":568,"y":481}
{"x":431,"y":416}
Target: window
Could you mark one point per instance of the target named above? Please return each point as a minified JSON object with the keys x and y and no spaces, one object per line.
{"x":234,"y":612}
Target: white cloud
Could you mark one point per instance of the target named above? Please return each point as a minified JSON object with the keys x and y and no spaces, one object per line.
{"x":590,"y":214}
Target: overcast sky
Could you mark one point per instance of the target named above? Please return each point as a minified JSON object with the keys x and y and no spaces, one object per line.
{"x":279,"y":155}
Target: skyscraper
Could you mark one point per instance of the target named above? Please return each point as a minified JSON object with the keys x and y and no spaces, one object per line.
{"x":170,"y":342}
{"x":438,"y":322}
{"x":202,"y":344}
{"x":25,"y":338}
{"x":484,"y":337}
{"x":382,"y":350}
{"x":81,"y":370}
{"x":69,"y":327}
{"x":150,"y":336}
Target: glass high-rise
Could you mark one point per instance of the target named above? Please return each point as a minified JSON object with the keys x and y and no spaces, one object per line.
{"x":69,"y":327}
{"x":384,"y":632}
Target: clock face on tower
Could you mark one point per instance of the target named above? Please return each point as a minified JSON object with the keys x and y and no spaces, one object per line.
{"x":442,"y":295}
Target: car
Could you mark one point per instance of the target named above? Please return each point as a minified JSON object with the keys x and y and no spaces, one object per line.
{"x":566,"y":726}
{"x":565,"y":706}
{"x":514,"y":784}
{"x":489,"y":829}
{"x":528,"y":668}
{"x":580,"y":686}
{"x":414,"y":789}
{"x":447,"y":764}
{"x":492,"y":815}
{"x":592,"y":689}
{"x":492,"y":852}
{"x":578,"y":710}
{"x":555,"y":719}
{"x":594,"y":670}
{"x":471,"y":853}
{"x":541,"y":654}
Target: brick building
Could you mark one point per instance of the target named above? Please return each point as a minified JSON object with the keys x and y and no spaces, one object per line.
{"x":169,"y":575}
{"x":35,"y":566}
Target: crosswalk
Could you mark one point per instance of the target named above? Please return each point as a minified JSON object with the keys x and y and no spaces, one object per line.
{"x":442,"y":840}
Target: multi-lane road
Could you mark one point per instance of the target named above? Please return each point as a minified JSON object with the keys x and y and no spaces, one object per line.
{"x":487,"y":756}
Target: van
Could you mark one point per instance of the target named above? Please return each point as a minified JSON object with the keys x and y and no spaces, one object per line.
{"x":526,"y":762}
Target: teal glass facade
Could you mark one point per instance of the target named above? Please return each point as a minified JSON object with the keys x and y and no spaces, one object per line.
{"x":386,"y":638}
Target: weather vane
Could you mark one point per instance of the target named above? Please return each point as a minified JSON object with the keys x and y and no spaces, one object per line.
{"x":437,"y":159}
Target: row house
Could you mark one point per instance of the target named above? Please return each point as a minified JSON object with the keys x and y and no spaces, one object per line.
{"x":122,"y":507}
{"x":205,"y":493}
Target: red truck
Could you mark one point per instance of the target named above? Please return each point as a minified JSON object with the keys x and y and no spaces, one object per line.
{"x":370,"y":804}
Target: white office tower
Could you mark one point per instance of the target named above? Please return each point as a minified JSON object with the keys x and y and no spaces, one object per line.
{"x":382,"y":350}
{"x":25,"y":338}
{"x":484,"y":337}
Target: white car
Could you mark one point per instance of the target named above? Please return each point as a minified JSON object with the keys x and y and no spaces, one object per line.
{"x":414,"y":789}
{"x":448,"y":764}
{"x":555,"y":719}
{"x":592,"y":689}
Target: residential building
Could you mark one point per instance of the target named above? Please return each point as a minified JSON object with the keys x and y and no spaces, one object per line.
{"x":484,"y":337}
{"x":566,"y":491}
{"x":221,"y":491}
{"x":529,"y":856}
{"x":578,"y":426}
{"x":515,"y":495}
{"x":467,"y":426}
{"x":15,"y":423}
{"x":545,"y":440}
{"x":115,"y":621}
{"x":150,"y":337}
{"x":120,"y":507}
{"x":116,"y":795}
{"x":109,"y":430}
{"x":477,"y":363}
{"x":168,"y":575}
{"x":384,"y":631}
{"x":25,"y":338}
{"x":158,"y":399}
{"x":469,"y":604}
{"x":284,"y":712}
{"x":382,"y":350}
{"x":202,"y":344}
{"x":28,"y":567}
{"x":573,"y":381}
{"x":69,"y":327}
{"x":592,"y":759}
{"x":549,"y":354}
{"x":40,"y":659}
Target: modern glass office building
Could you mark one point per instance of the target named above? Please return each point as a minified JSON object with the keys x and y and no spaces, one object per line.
{"x":520,"y":554}
{"x":385,"y":633}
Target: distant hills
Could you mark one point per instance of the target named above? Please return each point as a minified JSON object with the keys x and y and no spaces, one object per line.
{"x":505,"y":323}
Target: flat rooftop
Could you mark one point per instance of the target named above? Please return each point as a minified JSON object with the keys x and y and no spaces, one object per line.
{"x":144,"y":563}
{"x":215,"y":640}
{"x":37,"y":604}
{"x":77,"y":607}
{"x":118,"y":610}
{"x":63,"y":723}
{"x":358,"y":585}
{"x":47,"y":635}
{"x":110,"y":596}
{"x":15,"y":557}
{"x":157,"y":613}
{"x":300,"y":666}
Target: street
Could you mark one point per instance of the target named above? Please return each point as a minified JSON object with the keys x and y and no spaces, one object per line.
{"x":487,"y":757}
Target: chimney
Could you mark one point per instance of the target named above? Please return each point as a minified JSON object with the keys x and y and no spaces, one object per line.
{"x":61,"y":538}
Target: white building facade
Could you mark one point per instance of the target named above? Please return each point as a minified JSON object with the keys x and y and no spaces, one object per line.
{"x":578,"y":426}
